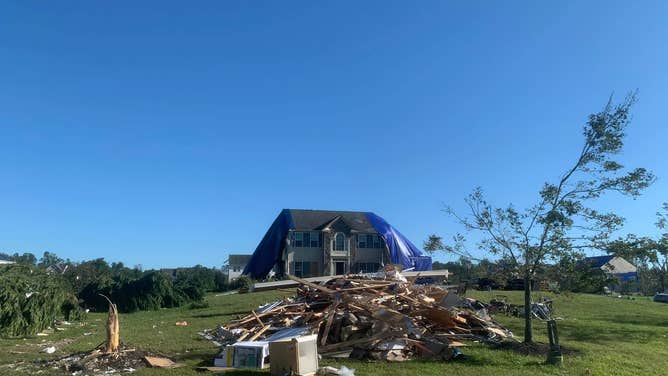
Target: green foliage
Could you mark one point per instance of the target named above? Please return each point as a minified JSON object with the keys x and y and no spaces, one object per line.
{"x":199,"y":305}
{"x":244,"y":282}
{"x":562,"y":221}
{"x":31,"y":299}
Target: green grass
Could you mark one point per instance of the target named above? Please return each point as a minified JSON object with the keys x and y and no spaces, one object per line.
{"x":606,"y":337}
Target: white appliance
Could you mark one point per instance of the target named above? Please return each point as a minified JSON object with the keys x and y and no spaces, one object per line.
{"x":297,"y":356}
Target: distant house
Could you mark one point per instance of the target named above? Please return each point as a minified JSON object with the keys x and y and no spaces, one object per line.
{"x":620,"y":269}
{"x":235,"y":266}
{"x":310,"y":243}
{"x":6,"y":262}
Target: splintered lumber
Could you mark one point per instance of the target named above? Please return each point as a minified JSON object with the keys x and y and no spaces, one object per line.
{"x":310,"y":284}
{"x":274,"y":285}
{"x":375,"y":317}
{"x":258,"y":334}
{"x":328,"y":325}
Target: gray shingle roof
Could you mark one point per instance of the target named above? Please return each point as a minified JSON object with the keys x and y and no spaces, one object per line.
{"x":239,"y":259}
{"x":319,"y":219}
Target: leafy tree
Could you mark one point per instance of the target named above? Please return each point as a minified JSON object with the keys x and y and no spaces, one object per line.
{"x":649,"y":255}
{"x":561,"y":220}
{"x":26,"y":258}
{"x":50,"y":259}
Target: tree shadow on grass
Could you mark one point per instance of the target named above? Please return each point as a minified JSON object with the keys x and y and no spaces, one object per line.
{"x":536,"y":348}
{"x":608,"y":334}
{"x":208,"y":315}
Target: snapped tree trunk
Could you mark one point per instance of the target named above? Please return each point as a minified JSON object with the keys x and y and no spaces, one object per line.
{"x":113,"y":335}
{"x":528,"y":327}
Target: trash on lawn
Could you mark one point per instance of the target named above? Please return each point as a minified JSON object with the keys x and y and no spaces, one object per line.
{"x":157,"y":362}
{"x":332,"y":371}
{"x":181,"y":323}
{"x":49,"y":350}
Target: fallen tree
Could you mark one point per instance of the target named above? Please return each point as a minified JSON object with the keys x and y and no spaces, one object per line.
{"x":31,"y":300}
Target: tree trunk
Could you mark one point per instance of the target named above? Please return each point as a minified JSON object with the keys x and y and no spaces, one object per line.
{"x":113,"y":335}
{"x":528,"y":327}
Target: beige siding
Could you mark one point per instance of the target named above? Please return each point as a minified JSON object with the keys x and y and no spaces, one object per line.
{"x":369,"y":255}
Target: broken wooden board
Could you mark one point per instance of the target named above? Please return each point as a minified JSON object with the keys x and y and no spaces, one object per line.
{"x":157,"y":362}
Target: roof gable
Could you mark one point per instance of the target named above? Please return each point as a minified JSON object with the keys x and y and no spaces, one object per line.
{"x":317,"y":220}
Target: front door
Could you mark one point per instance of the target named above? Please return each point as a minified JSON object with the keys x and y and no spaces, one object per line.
{"x":340,"y":267}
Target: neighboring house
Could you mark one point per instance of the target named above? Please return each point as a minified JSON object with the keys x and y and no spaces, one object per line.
{"x":310,"y":243}
{"x":618,"y":268}
{"x":235,"y":266}
{"x":59,"y":268}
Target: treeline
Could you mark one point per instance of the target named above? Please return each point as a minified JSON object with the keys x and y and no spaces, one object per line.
{"x":36,"y":291}
{"x":569,"y":273}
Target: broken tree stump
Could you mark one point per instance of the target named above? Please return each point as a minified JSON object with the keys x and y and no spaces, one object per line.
{"x":113,"y":335}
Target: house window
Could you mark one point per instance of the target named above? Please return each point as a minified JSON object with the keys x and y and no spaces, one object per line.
{"x":369,"y":241}
{"x":297,"y":267}
{"x":304,"y":268}
{"x":368,"y":267}
{"x":315,"y":240}
{"x":297,"y":239}
{"x":339,"y":242}
{"x":306,"y":239}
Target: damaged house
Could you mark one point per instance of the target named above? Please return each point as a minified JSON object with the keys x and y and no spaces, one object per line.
{"x":625,"y":273}
{"x":311,"y":243}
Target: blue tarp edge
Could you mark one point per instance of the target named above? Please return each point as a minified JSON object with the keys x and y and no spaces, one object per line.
{"x":268,"y":252}
{"x":402,"y":251}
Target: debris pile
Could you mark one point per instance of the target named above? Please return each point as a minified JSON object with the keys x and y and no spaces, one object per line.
{"x":541,"y":310}
{"x":371,"y":318}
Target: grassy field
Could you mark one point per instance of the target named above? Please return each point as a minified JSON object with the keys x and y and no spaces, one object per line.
{"x":603,"y":336}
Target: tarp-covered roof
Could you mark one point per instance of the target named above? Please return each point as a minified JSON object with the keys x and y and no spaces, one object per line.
{"x":268,"y":252}
{"x":597,"y":261}
{"x":319,"y":219}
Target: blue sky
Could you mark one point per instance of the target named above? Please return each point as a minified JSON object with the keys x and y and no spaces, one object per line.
{"x":168,"y":134}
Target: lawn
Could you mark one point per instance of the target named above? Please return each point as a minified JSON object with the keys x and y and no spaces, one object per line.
{"x":603,"y":336}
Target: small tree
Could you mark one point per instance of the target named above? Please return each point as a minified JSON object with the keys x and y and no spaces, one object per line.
{"x":560,"y":221}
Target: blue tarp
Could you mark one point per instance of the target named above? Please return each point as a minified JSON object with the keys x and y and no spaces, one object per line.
{"x":268,"y":252}
{"x":402,"y":251}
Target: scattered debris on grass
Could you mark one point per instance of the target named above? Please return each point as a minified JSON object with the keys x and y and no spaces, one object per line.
{"x":157,"y":362}
{"x":541,"y":310}
{"x":332,"y":371}
{"x":370,"y":318}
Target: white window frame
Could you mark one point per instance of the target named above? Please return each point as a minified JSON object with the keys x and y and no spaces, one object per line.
{"x":343,"y":242}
